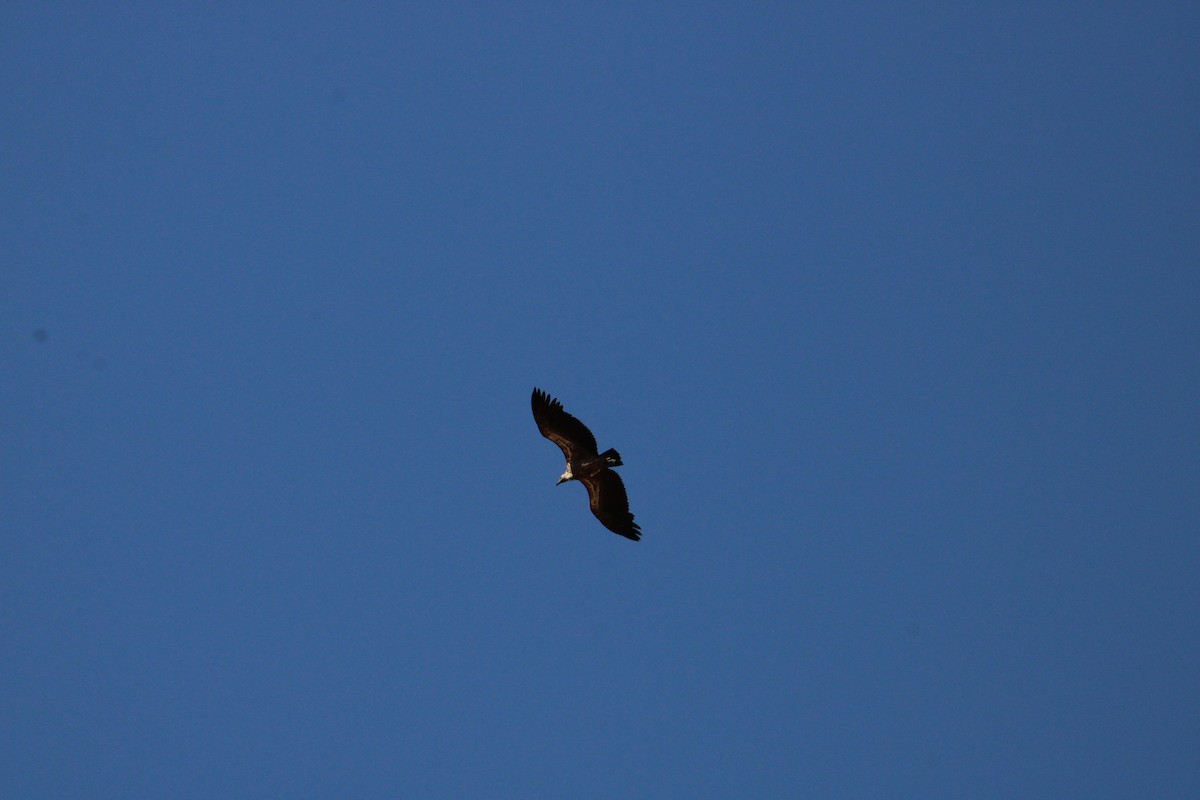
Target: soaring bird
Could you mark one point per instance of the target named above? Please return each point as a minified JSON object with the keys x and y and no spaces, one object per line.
{"x":606,"y":492}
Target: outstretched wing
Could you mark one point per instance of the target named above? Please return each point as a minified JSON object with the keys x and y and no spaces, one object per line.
{"x":571,"y":435}
{"x":606,"y":496}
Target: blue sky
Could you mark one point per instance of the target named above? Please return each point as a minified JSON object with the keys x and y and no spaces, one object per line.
{"x":891,"y":313}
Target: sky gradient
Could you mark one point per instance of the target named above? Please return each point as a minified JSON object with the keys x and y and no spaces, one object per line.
{"x":891,"y":314}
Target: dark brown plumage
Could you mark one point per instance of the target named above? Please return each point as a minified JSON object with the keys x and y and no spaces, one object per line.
{"x":606,"y":491}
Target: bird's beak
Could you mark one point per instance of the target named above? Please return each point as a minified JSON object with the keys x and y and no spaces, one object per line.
{"x":561,"y":481}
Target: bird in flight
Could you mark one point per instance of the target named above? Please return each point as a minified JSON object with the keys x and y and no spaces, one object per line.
{"x":606,"y":492}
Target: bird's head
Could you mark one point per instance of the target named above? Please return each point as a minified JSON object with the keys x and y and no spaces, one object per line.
{"x":566,"y":476}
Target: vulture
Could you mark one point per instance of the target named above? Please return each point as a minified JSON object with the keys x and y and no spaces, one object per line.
{"x":606,"y":492}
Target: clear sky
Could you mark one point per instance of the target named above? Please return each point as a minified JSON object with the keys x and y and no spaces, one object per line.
{"x":893,"y":315}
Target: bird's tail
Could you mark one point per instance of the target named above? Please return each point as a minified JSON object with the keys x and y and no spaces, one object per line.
{"x":611,"y":457}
